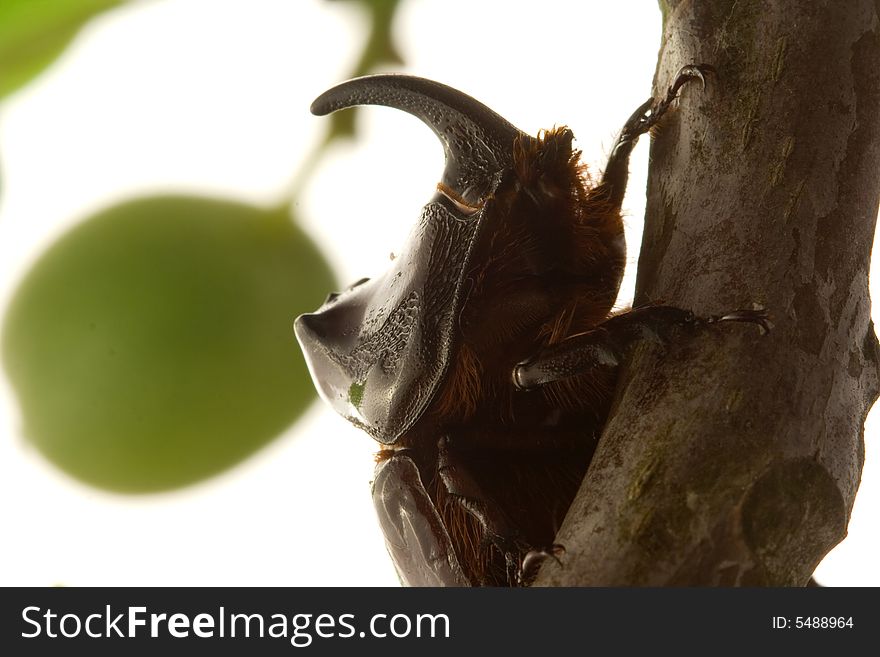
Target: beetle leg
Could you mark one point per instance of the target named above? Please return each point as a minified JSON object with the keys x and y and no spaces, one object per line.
{"x":461,"y":484}
{"x":467,"y":491}
{"x":642,"y":120}
{"x":604,"y":345}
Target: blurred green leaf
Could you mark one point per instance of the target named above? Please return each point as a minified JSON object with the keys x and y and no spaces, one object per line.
{"x":34,"y":32}
{"x":379,"y":51}
{"x":380,"y":48}
{"x":152,"y":345}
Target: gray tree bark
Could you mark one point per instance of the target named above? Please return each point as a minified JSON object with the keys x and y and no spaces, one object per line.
{"x":732,"y":458}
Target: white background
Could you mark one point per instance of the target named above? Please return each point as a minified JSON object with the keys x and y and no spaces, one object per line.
{"x":212,"y":97}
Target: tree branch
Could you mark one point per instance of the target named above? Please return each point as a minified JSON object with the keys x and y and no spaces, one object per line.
{"x":732,"y":458}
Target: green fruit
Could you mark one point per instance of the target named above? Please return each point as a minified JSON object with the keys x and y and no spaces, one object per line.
{"x":152,"y":346}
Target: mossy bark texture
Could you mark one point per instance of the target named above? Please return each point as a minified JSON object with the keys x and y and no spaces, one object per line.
{"x":732,"y":458}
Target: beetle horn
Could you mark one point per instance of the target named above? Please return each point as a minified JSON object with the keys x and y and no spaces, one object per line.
{"x":478,"y":143}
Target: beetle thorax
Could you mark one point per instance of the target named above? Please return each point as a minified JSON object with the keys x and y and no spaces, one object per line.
{"x":546,"y":265}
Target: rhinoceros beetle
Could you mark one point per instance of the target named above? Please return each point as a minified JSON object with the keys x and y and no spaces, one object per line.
{"x":484,"y":360}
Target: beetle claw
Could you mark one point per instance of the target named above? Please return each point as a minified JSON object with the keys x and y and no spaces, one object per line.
{"x":533,"y":559}
{"x":757,"y":316}
{"x":684,"y":75}
{"x":690,"y":72}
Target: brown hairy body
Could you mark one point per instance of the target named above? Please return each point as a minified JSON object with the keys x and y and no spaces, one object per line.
{"x":548,"y":267}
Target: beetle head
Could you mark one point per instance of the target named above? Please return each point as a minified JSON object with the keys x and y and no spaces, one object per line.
{"x":378,"y":351}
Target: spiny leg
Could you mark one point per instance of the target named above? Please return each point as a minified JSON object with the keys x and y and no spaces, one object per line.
{"x":470,"y":495}
{"x":606,"y":344}
{"x":642,"y":120}
{"x":467,"y":491}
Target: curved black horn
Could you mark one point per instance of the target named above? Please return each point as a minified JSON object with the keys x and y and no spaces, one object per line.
{"x":478,"y":143}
